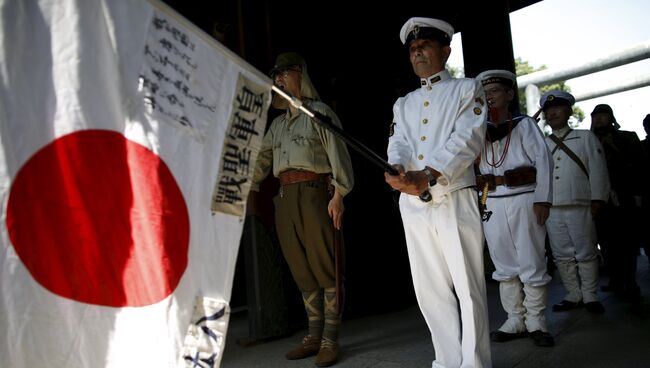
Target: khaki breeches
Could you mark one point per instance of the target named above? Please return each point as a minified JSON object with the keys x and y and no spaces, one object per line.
{"x":306,"y":234}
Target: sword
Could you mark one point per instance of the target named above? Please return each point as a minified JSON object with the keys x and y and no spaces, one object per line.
{"x":339,"y":270}
{"x":536,"y":116}
{"x":326,"y":123}
{"x":339,"y":264}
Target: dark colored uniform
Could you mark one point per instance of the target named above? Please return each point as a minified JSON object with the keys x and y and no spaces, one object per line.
{"x":617,"y":226}
{"x":644,"y":233}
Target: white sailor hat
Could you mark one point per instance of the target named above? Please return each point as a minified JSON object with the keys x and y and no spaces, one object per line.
{"x":556,"y":98}
{"x":418,"y":27}
{"x":504,"y":77}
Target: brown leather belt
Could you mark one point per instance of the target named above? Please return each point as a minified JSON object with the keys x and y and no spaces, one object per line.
{"x":499,"y":180}
{"x":299,"y":176}
{"x":512,"y":178}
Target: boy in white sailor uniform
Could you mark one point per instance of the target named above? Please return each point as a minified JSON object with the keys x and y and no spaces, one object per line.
{"x":580,"y":189}
{"x":437,"y":132}
{"x":515,"y":168}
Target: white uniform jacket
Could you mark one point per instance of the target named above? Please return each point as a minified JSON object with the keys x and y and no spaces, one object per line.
{"x":570,"y":184}
{"x":526,"y":148}
{"x":440,"y":125}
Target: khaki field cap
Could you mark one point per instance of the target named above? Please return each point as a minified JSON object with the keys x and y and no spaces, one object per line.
{"x":287,"y":60}
{"x":426,"y":28}
{"x":292,"y":60}
{"x":505,"y":77}
{"x":556,"y":98}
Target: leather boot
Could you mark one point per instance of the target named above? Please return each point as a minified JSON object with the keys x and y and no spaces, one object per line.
{"x":328,"y":354}
{"x":310,"y":346}
{"x":542,"y":338}
{"x":313,"y":301}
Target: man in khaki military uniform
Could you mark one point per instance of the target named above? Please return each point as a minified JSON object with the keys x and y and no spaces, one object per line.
{"x":307,"y":159}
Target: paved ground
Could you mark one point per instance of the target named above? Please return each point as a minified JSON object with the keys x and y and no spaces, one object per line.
{"x":619,"y":338}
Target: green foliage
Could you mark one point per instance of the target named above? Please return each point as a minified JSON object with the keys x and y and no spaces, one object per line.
{"x":523,"y":67}
{"x":455,"y":72}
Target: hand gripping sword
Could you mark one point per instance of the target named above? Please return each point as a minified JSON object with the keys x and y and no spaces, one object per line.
{"x":326,"y":123}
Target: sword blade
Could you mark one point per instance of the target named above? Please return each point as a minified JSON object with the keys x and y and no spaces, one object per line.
{"x":352,"y":142}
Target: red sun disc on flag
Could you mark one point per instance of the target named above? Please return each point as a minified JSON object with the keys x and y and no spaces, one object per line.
{"x":100,"y":219}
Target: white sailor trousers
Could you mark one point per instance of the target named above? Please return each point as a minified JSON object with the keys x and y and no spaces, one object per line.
{"x":516,"y":240}
{"x":445,"y":246}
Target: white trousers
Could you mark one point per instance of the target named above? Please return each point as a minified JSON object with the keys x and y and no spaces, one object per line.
{"x":515,"y":240}
{"x":445,"y":246}
{"x":571,"y":233}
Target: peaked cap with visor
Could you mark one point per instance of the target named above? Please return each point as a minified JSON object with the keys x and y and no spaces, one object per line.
{"x":426,"y":28}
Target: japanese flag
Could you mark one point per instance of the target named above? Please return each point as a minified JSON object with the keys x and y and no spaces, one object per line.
{"x":127,"y":142}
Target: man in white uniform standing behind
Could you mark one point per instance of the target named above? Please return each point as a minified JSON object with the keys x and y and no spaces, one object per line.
{"x":436,"y":134}
{"x":580,"y":189}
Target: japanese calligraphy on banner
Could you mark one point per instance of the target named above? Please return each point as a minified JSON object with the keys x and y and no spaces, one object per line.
{"x":242,"y":143}
{"x":206,"y":334}
{"x":127,"y":142}
{"x":168,"y":79}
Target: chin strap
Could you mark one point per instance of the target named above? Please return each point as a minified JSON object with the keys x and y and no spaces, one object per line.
{"x":493,"y":114}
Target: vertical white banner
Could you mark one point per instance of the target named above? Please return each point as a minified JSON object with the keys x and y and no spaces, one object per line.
{"x":118,"y":121}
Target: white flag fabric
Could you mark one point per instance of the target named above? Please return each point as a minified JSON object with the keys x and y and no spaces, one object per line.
{"x":127,"y":142}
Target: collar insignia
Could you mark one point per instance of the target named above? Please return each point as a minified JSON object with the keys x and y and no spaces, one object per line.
{"x":430,"y":81}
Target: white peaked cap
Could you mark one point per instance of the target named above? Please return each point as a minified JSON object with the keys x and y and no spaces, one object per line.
{"x":417,"y":22}
{"x":497,"y":76}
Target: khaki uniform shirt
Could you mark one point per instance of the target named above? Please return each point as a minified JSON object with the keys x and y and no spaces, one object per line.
{"x":296,"y":142}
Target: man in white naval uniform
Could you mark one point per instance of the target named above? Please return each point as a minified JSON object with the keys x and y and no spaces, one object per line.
{"x":436,"y":134}
{"x":580,"y":189}
{"x":516,"y":166}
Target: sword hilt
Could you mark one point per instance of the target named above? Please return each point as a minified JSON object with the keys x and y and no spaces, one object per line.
{"x":424,"y":197}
